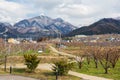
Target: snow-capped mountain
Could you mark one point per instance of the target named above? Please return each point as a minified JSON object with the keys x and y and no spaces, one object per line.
{"x":40,"y":26}
{"x":43,"y":23}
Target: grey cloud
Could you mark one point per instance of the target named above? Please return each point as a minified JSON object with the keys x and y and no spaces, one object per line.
{"x":75,"y":11}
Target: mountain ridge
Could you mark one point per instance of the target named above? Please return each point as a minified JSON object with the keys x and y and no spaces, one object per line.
{"x":43,"y":26}
{"x":103,"y":26}
{"x":40,"y":26}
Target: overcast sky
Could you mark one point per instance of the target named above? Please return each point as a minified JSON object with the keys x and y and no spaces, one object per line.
{"x":77,"y":12}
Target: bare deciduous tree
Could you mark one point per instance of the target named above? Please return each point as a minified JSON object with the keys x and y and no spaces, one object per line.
{"x":104,"y":58}
{"x":94,"y":52}
{"x":114,"y":56}
{"x":79,"y":60}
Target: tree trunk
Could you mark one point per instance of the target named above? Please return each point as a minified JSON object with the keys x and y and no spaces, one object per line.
{"x":106,"y":70}
{"x":113,"y":65}
{"x":80,"y":65}
{"x":96,"y":63}
{"x":88,"y":60}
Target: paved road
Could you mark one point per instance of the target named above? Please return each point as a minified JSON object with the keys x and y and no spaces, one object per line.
{"x":14,"y":77}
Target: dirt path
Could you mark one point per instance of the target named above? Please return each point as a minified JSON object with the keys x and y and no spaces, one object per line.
{"x":44,"y":66}
{"x":84,"y":76}
{"x":14,"y":77}
{"x":61,"y":53}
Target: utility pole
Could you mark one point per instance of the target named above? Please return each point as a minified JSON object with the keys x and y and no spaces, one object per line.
{"x":5,"y":63}
{"x":5,"y":54}
{"x":9,"y":51}
{"x":59,"y":37}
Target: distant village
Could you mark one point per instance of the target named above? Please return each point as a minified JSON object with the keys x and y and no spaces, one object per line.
{"x":97,"y":38}
{"x":76,"y":38}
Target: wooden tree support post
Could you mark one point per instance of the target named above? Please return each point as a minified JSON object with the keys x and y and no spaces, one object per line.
{"x":56,"y":75}
{"x":5,"y":63}
{"x":10,"y":69}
